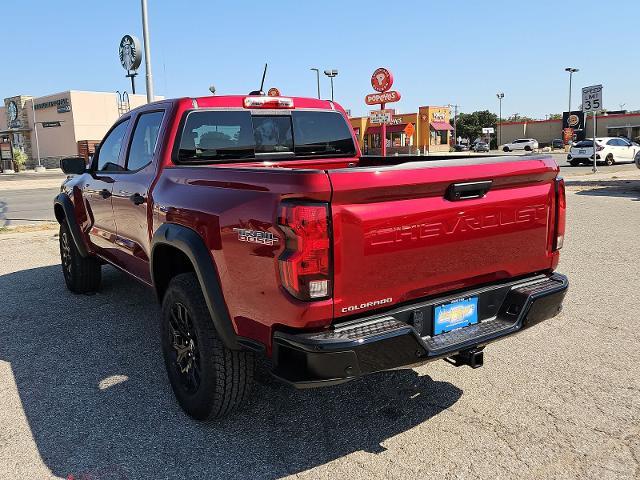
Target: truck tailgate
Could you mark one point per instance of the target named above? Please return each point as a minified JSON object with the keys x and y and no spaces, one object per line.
{"x":398,"y":238}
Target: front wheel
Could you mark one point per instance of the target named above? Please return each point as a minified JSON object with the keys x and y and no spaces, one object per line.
{"x":609,"y":160}
{"x":505,"y":149}
{"x":82,"y":275}
{"x":208,"y":379}
{"x":527,"y":148}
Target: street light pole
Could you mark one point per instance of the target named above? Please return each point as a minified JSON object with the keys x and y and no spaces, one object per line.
{"x":317,"y":70}
{"x":331,"y":74}
{"x":35,"y":130}
{"x":147,"y":52}
{"x":500,"y":96}
{"x":571,"y":71}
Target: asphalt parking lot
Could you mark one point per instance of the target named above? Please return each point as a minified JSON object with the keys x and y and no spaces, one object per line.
{"x":85,"y":396}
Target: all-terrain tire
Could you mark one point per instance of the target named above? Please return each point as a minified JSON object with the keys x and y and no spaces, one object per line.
{"x":82,"y":275}
{"x":208,"y":379}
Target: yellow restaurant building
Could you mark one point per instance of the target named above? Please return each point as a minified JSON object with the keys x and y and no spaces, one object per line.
{"x":432,"y":132}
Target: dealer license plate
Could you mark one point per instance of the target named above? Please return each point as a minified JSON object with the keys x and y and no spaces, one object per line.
{"x":454,"y":315}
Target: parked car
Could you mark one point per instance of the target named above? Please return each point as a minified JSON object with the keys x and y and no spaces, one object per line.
{"x":637,"y":159}
{"x":528,"y":144}
{"x":608,"y":150}
{"x":480,"y":147}
{"x":262,"y":231}
{"x":461,"y":147}
{"x":557,"y":143}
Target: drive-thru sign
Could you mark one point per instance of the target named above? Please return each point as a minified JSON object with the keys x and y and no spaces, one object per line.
{"x":592,"y":102}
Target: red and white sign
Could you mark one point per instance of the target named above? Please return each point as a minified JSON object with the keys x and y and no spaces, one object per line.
{"x":384,"y":97}
{"x":381,"y":80}
{"x":273,"y":92}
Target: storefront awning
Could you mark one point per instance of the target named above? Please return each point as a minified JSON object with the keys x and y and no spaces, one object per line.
{"x":390,"y":129}
{"x":441,"y":126}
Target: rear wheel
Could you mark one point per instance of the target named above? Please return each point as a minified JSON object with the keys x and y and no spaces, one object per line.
{"x":527,"y":148}
{"x":82,"y":275}
{"x":208,"y":379}
{"x":609,"y":160}
{"x":505,"y":149}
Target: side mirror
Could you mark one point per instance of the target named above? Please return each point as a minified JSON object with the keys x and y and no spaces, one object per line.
{"x":73,"y":165}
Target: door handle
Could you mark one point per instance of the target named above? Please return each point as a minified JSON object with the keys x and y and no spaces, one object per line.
{"x":104,"y":193}
{"x":137,"y":199}
{"x":467,"y":191}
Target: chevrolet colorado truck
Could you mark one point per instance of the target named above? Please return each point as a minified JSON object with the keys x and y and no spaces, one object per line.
{"x":263,"y":231}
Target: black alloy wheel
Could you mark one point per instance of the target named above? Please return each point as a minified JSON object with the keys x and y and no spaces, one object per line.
{"x":184,"y":342}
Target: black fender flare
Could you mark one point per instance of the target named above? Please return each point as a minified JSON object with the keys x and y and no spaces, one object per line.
{"x":192,"y":245}
{"x":70,"y":218}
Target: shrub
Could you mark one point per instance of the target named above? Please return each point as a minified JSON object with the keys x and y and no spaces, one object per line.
{"x":19,"y":159}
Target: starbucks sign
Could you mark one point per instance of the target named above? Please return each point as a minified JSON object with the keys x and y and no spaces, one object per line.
{"x":130,"y":53}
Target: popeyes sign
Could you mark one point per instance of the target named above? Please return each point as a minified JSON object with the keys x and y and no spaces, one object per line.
{"x":380,"y":98}
{"x":381,"y":81}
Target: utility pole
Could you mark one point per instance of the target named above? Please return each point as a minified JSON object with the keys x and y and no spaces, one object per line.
{"x":455,"y":120}
{"x":317,"y":70}
{"x":147,"y":52}
{"x":39,"y":167}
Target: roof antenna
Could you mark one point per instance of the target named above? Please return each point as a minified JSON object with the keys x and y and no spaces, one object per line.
{"x":260,"y":91}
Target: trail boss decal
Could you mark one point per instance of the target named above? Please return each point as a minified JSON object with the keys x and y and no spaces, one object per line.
{"x":256,"y":236}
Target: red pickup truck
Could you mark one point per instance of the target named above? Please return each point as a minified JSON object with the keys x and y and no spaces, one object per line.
{"x":263,"y":230}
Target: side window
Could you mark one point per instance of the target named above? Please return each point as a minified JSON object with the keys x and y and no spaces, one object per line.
{"x":145,"y":137}
{"x":110,"y":148}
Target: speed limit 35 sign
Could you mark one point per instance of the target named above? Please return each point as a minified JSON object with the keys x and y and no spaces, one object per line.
{"x":592,"y":98}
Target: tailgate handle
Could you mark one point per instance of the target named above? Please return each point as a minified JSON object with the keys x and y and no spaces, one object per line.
{"x":467,"y":191}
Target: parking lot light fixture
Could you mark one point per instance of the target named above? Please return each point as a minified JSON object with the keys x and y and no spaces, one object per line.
{"x":331,"y":73}
{"x":500,"y":96}
{"x":571,"y":71}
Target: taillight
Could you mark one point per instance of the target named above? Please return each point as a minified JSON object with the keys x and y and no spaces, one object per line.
{"x":561,"y":214}
{"x":268,"y":102}
{"x":305,"y":264}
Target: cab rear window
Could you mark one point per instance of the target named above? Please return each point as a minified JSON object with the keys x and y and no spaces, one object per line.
{"x":211,"y":136}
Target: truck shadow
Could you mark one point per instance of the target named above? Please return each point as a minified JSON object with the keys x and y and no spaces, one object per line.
{"x":91,"y":380}
{"x":607,"y":188}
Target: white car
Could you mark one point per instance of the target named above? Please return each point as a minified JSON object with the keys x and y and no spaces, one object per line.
{"x":608,"y":150}
{"x":528,"y":144}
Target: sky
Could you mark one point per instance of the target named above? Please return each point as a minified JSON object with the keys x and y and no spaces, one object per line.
{"x":440,"y":52}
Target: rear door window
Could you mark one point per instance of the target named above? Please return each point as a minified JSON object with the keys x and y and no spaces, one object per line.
{"x":145,"y":138}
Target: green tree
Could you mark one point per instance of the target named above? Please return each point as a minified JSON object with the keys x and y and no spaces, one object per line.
{"x":470,"y":125}
{"x":555,"y":116}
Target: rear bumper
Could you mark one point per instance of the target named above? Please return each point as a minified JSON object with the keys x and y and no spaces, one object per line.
{"x":403,"y":337}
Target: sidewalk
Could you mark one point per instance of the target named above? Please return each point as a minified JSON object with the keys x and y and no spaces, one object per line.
{"x":28,"y":180}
